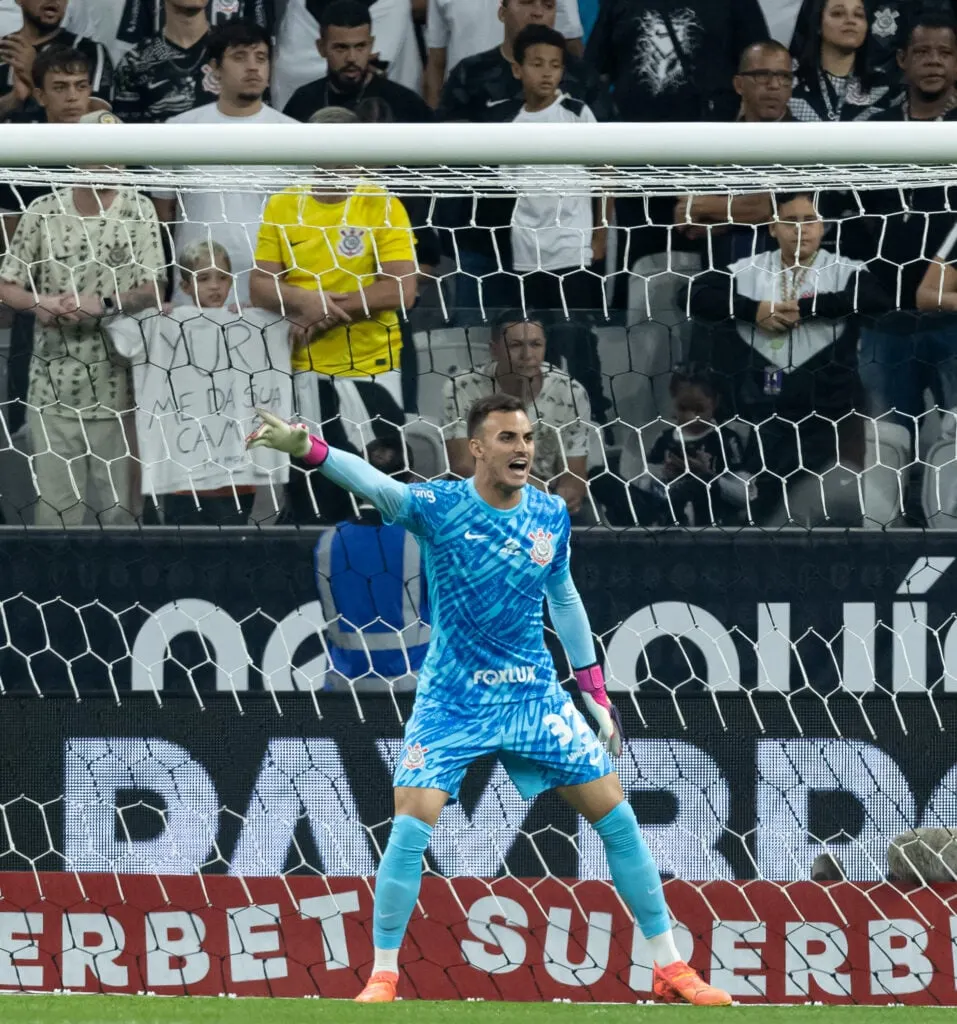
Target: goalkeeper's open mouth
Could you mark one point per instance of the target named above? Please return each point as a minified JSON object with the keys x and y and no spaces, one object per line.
{"x":519,"y":466}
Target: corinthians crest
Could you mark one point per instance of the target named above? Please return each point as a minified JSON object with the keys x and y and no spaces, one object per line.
{"x":884,"y":24}
{"x":542,"y":548}
{"x":117,"y":255}
{"x":351,"y":241}
{"x":415,"y":756}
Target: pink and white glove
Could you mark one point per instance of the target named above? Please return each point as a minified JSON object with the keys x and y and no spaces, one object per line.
{"x":591,"y":685}
{"x":292,"y":438}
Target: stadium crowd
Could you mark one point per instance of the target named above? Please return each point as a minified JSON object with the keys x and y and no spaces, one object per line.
{"x":699,"y":360}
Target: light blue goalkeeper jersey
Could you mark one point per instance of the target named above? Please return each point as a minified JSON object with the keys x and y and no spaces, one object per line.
{"x":488,"y":573}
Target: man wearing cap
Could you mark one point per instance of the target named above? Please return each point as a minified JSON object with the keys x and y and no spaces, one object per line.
{"x":80,"y":254}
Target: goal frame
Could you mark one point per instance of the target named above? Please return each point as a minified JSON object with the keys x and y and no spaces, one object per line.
{"x":621,"y":143}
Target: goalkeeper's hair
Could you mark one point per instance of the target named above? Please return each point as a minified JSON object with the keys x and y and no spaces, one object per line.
{"x":236,"y":32}
{"x":64,"y":59}
{"x":484,"y":407}
{"x":204,"y":254}
{"x":345,"y":14}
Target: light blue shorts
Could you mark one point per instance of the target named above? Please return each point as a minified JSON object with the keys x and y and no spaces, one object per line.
{"x":542,"y":743}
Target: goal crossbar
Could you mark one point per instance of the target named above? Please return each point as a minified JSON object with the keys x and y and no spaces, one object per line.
{"x":672,"y":144}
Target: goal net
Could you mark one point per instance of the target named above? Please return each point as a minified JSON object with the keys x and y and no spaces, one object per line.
{"x":740,"y":365}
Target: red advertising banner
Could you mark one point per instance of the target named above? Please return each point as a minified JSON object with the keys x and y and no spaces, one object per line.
{"x":501,"y":939}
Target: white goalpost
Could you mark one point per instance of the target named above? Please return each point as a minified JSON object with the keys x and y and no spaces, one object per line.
{"x":226,"y":704}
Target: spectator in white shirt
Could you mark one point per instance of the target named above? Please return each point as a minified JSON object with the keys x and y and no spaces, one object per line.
{"x":557,"y":407}
{"x":456,"y":29}
{"x":554,"y":238}
{"x":557,"y":239}
{"x":239,"y":54}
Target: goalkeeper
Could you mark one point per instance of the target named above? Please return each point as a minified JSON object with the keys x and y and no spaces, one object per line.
{"x":493,"y":548}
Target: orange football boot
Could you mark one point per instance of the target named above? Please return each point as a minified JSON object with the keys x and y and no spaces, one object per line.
{"x":678,"y":983}
{"x":380,"y":988}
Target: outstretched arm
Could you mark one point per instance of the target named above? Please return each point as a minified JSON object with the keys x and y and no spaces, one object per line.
{"x":571,"y":624}
{"x":342,"y":468}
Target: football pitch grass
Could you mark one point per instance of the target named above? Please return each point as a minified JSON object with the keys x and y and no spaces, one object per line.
{"x":152,"y":1010}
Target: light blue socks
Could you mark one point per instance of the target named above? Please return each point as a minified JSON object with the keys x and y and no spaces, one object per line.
{"x":633,"y":870}
{"x":398,"y":881}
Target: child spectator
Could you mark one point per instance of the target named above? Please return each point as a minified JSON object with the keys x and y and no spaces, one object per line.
{"x":207,"y":279}
{"x":199,"y":374}
{"x":556,"y":239}
{"x":207,"y":274}
{"x":790,"y":358}
{"x":42,"y":30}
{"x":697,"y":475}
{"x":458,"y":29}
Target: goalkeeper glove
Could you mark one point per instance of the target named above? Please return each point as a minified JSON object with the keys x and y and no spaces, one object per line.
{"x":292,"y":438}
{"x":591,"y":684}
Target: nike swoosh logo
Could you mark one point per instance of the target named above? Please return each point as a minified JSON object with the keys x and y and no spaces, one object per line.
{"x":475,"y":536}
{"x":496,"y":103}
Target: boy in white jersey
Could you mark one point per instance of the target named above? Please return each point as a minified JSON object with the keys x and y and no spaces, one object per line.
{"x":493,"y":548}
{"x":557,"y":239}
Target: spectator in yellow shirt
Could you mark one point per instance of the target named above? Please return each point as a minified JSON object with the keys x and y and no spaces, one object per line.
{"x":340,"y":267}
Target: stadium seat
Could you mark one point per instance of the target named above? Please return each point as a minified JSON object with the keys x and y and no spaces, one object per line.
{"x":427,"y":447}
{"x":886,"y":453}
{"x":635,"y":382}
{"x":939,"y":483}
{"x":442,"y":354}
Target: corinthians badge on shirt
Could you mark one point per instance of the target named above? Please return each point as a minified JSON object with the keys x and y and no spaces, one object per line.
{"x":542,"y":548}
{"x":351,"y":242}
{"x":116,"y":255}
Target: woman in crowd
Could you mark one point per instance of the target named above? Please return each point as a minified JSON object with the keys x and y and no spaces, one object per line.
{"x":834,"y":79}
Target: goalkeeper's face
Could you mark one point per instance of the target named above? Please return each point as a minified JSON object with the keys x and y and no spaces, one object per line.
{"x":503,"y":450}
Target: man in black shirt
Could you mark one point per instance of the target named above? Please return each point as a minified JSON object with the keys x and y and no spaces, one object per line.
{"x":667,"y":61}
{"x":42,"y":20}
{"x":168,"y":73}
{"x":477,"y":84}
{"x":124,"y":25}
{"x":671,"y":62}
{"x":901,"y":230}
{"x":352,"y":81}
